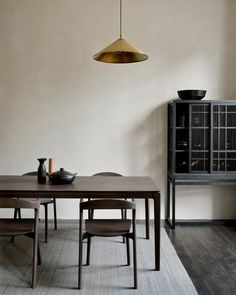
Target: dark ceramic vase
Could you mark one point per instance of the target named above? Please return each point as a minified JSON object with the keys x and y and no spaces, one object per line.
{"x":42,"y":173}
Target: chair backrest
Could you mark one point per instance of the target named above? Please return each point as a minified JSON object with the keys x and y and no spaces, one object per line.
{"x":107,"y":204}
{"x":19,"y":203}
{"x":107,"y":174}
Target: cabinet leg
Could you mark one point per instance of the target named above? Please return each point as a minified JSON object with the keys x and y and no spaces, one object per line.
{"x":170,"y":221}
{"x":168,"y":200}
{"x":173,"y":206}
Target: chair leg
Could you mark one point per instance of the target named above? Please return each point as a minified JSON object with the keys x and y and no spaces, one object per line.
{"x":89,"y":211}
{"x":80,"y":263}
{"x":15,"y":217}
{"x":80,"y":253}
{"x":91,"y":214}
{"x":35,"y":251}
{"x":125,"y":212}
{"x":135,"y":263}
{"x":55,"y":213}
{"x":123,"y":216}
{"x":88,"y":250}
{"x":46,"y":222}
{"x":39,"y":255}
{"x":19,"y":213}
{"x":15,"y":213}
{"x":134,"y":249}
{"x":147,"y":218}
{"x":127,"y":249}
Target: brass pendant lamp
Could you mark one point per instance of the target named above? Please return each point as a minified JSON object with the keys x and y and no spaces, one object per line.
{"x":120,"y":51}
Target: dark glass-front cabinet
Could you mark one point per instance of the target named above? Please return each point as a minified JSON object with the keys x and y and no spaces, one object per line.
{"x":201,"y":145}
{"x":201,"y":137}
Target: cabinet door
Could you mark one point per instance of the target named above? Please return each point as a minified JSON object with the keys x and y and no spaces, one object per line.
{"x":224,"y":138}
{"x":199,"y":135}
{"x":182,"y":138}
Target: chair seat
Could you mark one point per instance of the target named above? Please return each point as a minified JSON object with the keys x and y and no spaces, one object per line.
{"x":46,"y":201}
{"x":42,"y":201}
{"x":12,"y":227}
{"x":107,"y":227}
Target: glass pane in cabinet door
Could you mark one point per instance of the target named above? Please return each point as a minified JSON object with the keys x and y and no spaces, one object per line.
{"x":219,"y":162}
{"x":231,"y":116}
{"x":215,"y":165}
{"x":222,"y":143}
{"x":231,"y":108}
{"x":200,"y":116}
{"x":219,"y":116}
{"x":231,"y":161}
{"x":215,"y":140}
{"x":215,"y":116}
{"x":219,"y":165}
{"x":231,"y":165}
{"x":219,"y":139}
{"x":200,"y":161}
{"x":200,"y":139}
{"x":231,"y":139}
{"x":182,"y":115}
{"x":182,"y":139}
{"x":182,"y":162}
{"x":231,"y":119}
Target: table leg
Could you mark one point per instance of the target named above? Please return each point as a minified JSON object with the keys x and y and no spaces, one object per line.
{"x":147,"y":218}
{"x":157,"y":228}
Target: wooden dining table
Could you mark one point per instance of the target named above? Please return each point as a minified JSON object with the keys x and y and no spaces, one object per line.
{"x":137,"y":187}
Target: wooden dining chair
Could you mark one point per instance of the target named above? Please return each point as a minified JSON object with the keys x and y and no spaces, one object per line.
{"x":91,"y":213}
{"x":107,"y":228}
{"x":45,"y":203}
{"x":124,"y":212}
{"x":27,"y":227}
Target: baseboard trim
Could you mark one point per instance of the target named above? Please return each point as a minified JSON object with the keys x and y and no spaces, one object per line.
{"x":182,"y":222}
{"x":73,"y":221}
{"x":204,"y":222}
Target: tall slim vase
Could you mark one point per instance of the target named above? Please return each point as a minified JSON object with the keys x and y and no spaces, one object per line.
{"x":42,"y":173}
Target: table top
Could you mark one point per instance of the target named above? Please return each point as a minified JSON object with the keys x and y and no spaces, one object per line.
{"x":134,"y":186}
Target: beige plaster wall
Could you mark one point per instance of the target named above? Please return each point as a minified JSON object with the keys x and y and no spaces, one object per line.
{"x":56,"y":101}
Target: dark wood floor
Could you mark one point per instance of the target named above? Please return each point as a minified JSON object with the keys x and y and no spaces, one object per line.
{"x":208,"y":253}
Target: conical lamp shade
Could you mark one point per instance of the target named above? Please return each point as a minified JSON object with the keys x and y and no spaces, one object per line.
{"x":120,"y":51}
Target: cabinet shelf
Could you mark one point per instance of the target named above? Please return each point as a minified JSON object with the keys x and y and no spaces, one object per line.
{"x":226,"y":127}
{"x":224,"y":151}
{"x":200,"y":151}
{"x":182,"y":128}
{"x":200,"y":127}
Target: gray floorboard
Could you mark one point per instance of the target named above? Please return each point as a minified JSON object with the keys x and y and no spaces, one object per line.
{"x":208,"y":253}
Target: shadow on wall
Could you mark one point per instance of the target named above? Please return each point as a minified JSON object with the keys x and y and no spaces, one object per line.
{"x":229,"y":53}
{"x":225,"y":196}
{"x":148,"y":147}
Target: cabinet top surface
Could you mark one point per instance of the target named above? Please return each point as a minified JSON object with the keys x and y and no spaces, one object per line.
{"x":202,"y":101}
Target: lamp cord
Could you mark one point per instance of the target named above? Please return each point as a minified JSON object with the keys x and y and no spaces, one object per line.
{"x":120,"y":18}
